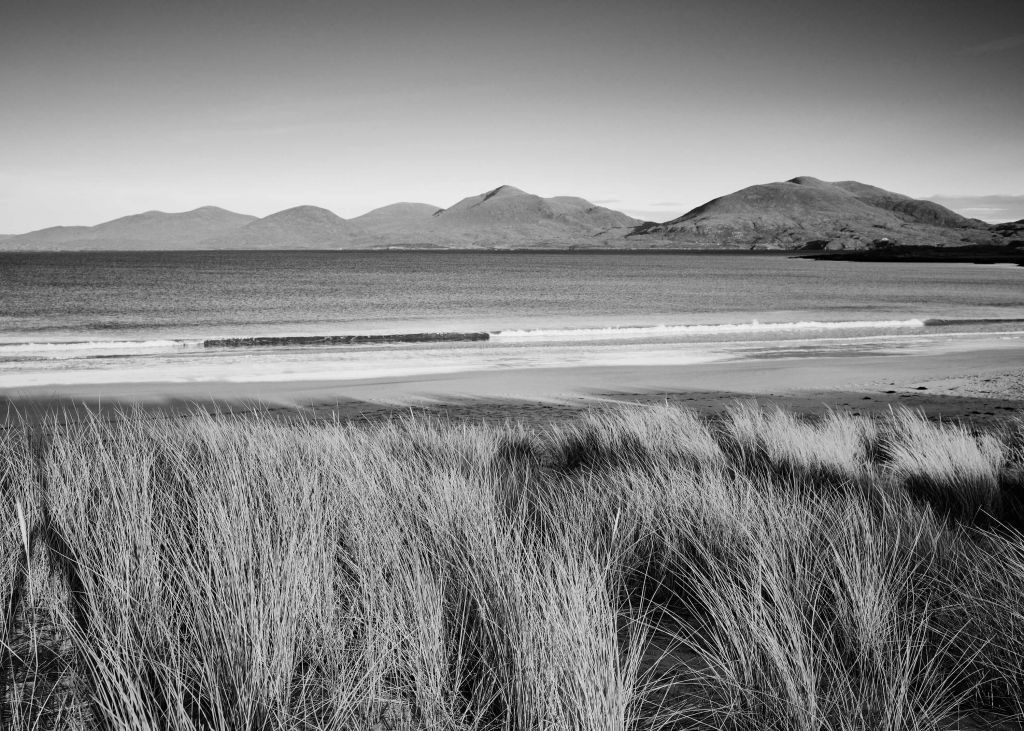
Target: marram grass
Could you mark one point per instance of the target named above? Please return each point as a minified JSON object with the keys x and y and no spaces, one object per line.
{"x":645,"y":568}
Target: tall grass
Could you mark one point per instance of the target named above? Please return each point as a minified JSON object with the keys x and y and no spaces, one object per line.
{"x":644,"y":568}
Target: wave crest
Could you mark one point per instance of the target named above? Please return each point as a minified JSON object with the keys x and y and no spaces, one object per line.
{"x":614,"y":333}
{"x":86,"y":346}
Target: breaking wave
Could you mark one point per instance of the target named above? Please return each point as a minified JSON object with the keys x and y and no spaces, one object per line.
{"x":112,"y":348}
{"x":84,"y":347}
{"x":626,"y":332}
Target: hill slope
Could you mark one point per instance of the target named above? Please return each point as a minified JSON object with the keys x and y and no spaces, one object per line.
{"x":800,"y":213}
{"x":504,"y":217}
{"x":1012,"y":232}
{"x":150,"y":230}
{"x":806,"y":211}
{"x":381,"y":223}
{"x":294,"y":228}
{"x":509,"y":217}
{"x":396,"y":213}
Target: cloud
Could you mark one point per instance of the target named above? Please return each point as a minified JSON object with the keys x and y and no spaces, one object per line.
{"x":998,"y":45}
{"x":667,"y":204}
{"x":991,"y":208}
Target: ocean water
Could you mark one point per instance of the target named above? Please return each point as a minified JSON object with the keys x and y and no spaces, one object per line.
{"x":155,"y":316}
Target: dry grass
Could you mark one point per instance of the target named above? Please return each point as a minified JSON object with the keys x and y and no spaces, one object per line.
{"x":638,"y":569}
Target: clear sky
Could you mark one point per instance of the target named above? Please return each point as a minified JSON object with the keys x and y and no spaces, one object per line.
{"x":112,"y":107}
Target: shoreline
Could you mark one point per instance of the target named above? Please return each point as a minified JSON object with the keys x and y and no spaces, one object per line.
{"x":1005,"y":253}
{"x":972,"y":386}
{"x":911,"y":253}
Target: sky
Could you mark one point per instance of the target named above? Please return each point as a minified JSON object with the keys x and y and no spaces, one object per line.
{"x":652,"y":107}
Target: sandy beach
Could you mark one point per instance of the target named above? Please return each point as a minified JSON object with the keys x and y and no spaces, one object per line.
{"x":973,"y":385}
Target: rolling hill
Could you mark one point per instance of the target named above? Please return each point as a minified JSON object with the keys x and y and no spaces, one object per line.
{"x":806,"y":211}
{"x":301,"y":227}
{"x":394,"y":216}
{"x":504,"y":217}
{"x":150,"y":230}
{"x":509,"y":217}
{"x":802,"y":213}
{"x":391,"y":224}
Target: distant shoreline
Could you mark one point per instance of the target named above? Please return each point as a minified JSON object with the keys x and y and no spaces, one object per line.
{"x":423,"y":249}
{"x":982,"y":254}
{"x":906,"y":254}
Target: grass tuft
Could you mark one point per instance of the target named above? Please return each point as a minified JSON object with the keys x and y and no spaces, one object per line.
{"x":637,"y":568}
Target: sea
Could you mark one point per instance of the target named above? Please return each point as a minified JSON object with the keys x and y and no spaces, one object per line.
{"x":252,"y":316}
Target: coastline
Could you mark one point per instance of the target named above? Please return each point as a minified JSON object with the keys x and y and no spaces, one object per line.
{"x":969,"y":385}
{"x":1004,"y":253}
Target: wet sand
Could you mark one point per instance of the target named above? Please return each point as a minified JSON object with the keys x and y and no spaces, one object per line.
{"x":970,"y":385}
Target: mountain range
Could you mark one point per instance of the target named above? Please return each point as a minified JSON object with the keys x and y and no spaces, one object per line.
{"x":150,"y":230}
{"x":800,"y":213}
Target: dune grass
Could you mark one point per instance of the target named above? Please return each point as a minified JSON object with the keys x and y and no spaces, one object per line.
{"x":643,"y":568}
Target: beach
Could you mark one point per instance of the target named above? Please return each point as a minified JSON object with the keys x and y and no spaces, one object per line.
{"x":969,"y":381}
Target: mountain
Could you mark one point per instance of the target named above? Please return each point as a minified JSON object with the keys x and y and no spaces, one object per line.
{"x":909,"y":209}
{"x":505,"y":217}
{"x":509,"y":217}
{"x":302,"y":227}
{"x":394,"y":214}
{"x":800,"y":213}
{"x":806,"y":211}
{"x":381,"y":224}
{"x":150,"y":230}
